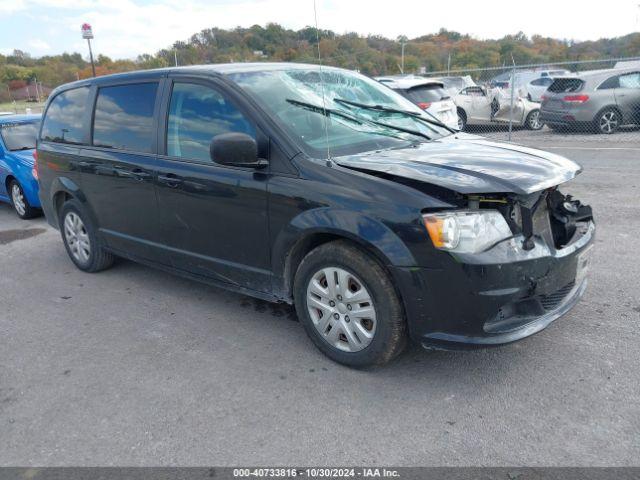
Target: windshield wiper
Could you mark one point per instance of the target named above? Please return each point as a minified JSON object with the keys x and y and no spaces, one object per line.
{"x":401,"y":129}
{"x":22,"y":148}
{"x":382,"y":108}
{"x":324,"y":111}
{"x":339,"y":113}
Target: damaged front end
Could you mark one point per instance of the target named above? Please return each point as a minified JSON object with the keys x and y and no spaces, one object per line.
{"x":550,"y":215}
{"x":512,"y":287}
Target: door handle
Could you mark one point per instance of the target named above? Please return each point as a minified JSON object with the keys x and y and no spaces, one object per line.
{"x":79,"y":165}
{"x":170,"y":180}
{"x":141,"y":174}
{"x":136,"y":173}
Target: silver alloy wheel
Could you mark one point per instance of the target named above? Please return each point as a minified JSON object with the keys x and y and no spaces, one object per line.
{"x":609,"y":122}
{"x":341,"y":309}
{"x":77,"y":237}
{"x":18,"y":199}
{"x":534,"y":120}
{"x":460,"y":123}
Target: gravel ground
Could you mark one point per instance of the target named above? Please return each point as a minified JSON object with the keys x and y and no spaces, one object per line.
{"x":135,"y":367}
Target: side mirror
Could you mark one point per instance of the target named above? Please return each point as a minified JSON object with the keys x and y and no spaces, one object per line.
{"x":235,"y":149}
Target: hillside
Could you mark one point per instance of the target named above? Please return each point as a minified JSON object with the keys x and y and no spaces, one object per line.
{"x":371,"y":54}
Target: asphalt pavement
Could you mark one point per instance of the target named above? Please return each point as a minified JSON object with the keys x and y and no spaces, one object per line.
{"x":133,"y":366}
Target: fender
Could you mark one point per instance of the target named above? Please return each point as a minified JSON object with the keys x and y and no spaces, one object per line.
{"x":66,"y":185}
{"x":371,"y":233}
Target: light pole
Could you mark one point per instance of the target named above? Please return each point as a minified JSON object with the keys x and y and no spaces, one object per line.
{"x":87,"y":33}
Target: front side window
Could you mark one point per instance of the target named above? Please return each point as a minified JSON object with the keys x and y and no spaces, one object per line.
{"x":198,"y":113}
{"x":124,"y":117}
{"x":63,"y":122}
{"x":19,"y":136}
{"x":630,"y":80}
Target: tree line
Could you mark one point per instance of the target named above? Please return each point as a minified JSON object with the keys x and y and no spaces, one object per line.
{"x":372,"y":55}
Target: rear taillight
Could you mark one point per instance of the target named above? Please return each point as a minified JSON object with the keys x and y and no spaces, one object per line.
{"x":34,"y":170}
{"x":576,"y":98}
{"x":543,"y":97}
{"x":424,"y":105}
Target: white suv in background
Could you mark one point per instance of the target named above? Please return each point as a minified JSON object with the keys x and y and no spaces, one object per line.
{"x":430,"y":95}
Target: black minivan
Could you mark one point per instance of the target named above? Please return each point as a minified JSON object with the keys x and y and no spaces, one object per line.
{"x":319,"y":187}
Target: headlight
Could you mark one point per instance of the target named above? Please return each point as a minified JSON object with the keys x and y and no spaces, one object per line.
{"x":465,"y":231}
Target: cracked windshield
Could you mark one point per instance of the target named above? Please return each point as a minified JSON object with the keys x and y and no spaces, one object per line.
{"x":358,"y":114}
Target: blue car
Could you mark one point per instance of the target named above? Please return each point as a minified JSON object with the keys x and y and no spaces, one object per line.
{"x":18,"y":181}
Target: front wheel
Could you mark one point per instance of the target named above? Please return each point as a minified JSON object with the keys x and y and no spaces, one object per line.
{"x":462,"y":120}
{"x":533,"y":120}
{"x":20,"y":202}
{"x":348,"y":306}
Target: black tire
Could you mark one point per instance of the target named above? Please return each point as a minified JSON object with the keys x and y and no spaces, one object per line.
{"x":25,"y":211}
{"x":607,"y":121}
{"x":390,"y":334}
{"x":98,"y":258}
{"x":462,"y":120}
{"x":531,"y":123}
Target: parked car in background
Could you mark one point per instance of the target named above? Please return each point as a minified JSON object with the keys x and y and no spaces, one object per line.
{"x":321,"y":188}
{"x":522,"y":79}
{"x":537,"y":87}
{"x":18,"y":182}
{"x":427,"y":94}
{"x":599,"y":100}
{"x":455,"y":84}
{"x":481,"y":106}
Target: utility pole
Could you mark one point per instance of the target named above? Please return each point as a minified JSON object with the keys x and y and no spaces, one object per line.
{"x":175,"y":56}
{"x":87,"y":33}
{"x":403,"y":41}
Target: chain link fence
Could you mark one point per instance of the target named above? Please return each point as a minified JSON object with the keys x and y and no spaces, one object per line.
{"x":598,"y":101}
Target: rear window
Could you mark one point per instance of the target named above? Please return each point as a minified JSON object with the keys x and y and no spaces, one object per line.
{"x":124,"y":117}
{"x":566,"y":85}
{"x":19,"y":136}
{"x":426,"y":94}
{"x":63,"y":122}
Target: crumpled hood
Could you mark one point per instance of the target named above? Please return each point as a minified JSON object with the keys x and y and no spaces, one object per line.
{"x":470,"y":164}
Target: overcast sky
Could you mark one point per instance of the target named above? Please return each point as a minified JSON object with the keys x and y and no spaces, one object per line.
{"x":126,"y":28}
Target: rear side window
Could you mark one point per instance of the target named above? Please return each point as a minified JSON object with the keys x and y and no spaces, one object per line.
{"x":542,"y":82}
{"x":124,"y":117}
{"x":19,"y":136}
{"x":426,"y":94}
{"x":566,"y":85}
{"x":609,"y":83}
{"x":63,"y":122}
{"x":197,"y":114}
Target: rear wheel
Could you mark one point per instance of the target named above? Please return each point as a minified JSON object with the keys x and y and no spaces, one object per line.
{"x":608,"y":121}
{"x":20,"y":202}
{"x":348,"y":306}
{"x":80,"y":239}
